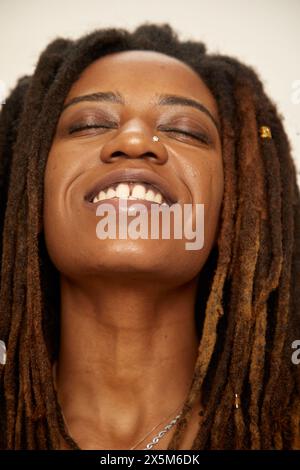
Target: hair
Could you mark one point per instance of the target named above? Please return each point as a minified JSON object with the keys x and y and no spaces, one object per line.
{"x":248,"y":316}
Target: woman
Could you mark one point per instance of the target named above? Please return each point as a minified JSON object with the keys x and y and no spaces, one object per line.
{"x":112,"y":343}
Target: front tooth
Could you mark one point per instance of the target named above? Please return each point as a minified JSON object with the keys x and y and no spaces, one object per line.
{"x":150,"y":195}
{"x":139,"y":191}
{"x":158,"y":198}
{"x":110,"y":193}
{"x":122,"y":191}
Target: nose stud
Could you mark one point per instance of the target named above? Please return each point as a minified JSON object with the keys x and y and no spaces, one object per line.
{"x":155,"y":138}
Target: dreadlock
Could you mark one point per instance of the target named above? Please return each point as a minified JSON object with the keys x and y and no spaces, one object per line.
{"x":251,"y":312}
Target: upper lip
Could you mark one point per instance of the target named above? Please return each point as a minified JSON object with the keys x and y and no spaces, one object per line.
{"x":133,"y":175}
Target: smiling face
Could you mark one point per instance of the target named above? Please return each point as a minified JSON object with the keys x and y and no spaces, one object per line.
{"x":100,"y":139}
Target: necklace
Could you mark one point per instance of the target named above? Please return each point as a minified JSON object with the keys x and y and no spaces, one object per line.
{"x":159,"y":435}
{"x":155,"y":439}
{"x":162,"y":433}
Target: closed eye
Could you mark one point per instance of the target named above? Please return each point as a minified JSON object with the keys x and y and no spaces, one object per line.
{"x":79,"y":128}
{"x":195,"y":135}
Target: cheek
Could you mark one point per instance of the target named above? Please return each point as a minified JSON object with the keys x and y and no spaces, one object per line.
{"x":64,"y":164}
{"x":55,"y":215}
{"x":206,"y":182}
{"x":53,"y":183}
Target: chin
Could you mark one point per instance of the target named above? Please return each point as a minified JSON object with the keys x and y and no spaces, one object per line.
{"x":133,"y":255}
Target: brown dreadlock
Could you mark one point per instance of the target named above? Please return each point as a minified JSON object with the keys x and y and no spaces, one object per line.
{"x":251,"y":312}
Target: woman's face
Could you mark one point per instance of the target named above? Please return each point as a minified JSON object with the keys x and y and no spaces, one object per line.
{"x":187,"y":158}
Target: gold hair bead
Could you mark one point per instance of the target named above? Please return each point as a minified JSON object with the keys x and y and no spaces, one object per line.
{"x":236,"y":400}
{"x":265,"y":132}
{"x":155,"y":138}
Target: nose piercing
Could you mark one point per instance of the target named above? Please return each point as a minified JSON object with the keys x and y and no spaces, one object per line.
{"x":155,"y":138}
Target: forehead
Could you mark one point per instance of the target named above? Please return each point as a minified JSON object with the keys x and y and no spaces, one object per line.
{"x":141,"y":75}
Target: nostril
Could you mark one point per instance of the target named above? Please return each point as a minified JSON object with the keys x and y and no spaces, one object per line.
{"x":149,"y":154}
{"x":118,"y":153}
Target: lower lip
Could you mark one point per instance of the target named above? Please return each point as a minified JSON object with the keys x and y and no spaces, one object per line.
{"x":126,"y":205}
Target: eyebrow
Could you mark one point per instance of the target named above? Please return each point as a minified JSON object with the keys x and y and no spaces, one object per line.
{"x":163,"y":100}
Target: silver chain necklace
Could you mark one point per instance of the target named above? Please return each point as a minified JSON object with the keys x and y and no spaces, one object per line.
{"x":163,"y":432}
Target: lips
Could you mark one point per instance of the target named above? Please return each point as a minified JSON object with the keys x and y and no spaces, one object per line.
{"x":134,"y":175}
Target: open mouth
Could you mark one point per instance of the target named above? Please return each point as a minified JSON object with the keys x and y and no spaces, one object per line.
{"x":132,"y":184}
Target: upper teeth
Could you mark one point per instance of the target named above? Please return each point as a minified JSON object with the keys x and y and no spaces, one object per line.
{"x":130,"y":191}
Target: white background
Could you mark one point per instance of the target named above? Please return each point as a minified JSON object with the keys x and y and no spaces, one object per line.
{"x":264,"y":34}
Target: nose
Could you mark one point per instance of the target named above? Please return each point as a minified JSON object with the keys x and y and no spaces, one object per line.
{"x":134,"y":141}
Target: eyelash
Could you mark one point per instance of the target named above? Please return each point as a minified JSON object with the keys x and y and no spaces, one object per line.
{"x":87,"y":126}
{"x":201,"y":137}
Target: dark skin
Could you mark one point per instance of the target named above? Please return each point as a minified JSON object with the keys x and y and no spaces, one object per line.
{"x":128,"y":336}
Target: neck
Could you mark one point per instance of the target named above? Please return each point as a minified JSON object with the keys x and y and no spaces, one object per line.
{"x":127,"y":357}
